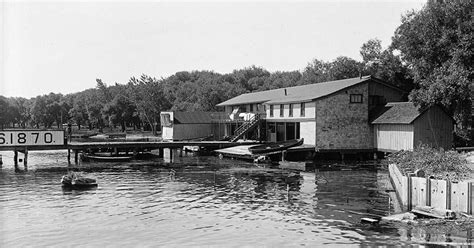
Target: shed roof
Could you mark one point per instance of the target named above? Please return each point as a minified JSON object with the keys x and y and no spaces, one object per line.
{"x":198,"y":117}
{"x":297,"y":93}
{"x":399,"y":113}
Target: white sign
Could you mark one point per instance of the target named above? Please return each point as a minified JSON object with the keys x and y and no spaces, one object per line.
{"x":31,"y":138}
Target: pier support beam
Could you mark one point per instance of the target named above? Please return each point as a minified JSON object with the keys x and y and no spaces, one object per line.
{"x":15,"y":159}
{"x":168,"y":155}
{"x":69,"y":156}
{"x":160,"y":152}
{"x":25,"y":159}
{"x":76,"y":156}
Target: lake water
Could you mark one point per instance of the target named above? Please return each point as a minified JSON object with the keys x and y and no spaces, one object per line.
{"x":199,"y":201}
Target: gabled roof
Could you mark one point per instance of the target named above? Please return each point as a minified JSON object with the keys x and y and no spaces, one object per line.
{"x":195,"y":117}
{"x":300,"y":93}
{"x":399,"y":113}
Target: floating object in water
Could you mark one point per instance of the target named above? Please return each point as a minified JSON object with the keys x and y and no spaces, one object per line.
{"x":262,"y":159}
{"x":369,"y":220}
{"x":75,"y":180}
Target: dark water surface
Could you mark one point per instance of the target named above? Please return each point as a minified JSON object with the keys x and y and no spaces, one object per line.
{"x":198,"y":201}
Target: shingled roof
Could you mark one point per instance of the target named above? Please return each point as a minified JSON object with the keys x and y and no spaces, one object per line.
{"x":399,"y":113}
{"x":297,"y":93}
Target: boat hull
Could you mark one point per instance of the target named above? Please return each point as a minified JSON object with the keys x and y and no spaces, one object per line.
{"x":275,"y":147}
{"x":88,"y":157}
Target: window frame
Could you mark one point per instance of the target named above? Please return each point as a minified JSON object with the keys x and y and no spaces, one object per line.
{"x":356,"y":98}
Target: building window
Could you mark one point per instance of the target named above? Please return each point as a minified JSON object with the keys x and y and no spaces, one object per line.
{"x":282,"y":108}
{"x":251,"y":108}
{"x":271,"y":110}
{"x":290,"y":107}
{"x":302,"y":109}
{"x":356,"y":98}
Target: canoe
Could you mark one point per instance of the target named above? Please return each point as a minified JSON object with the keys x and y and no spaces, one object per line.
{"x":74,"y":180}
{"x":89,"y":157}
{"x":275,"y":147}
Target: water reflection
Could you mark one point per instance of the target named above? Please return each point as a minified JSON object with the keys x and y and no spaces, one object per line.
{"x":199,"y":201}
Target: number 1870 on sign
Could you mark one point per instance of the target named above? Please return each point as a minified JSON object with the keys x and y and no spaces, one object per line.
{"x":32,"y":138}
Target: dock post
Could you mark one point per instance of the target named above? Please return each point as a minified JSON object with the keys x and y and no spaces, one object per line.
{"x":69,"y":156}
{"x":15,"y":159}
{"x":180,"y":152}
{"x":25,"y":160}
{"x":376,"y":156}
{"x":283,"y":153}
{"x":115,"y":151}
{"x":409,"y":193}
{"x":76,"y":157}
{"x":160,"y":152}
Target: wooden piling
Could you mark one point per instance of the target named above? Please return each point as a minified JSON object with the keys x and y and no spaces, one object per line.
{"x":76,"y":156}
{"x":15,"y":158}
{"x":160,"y":152}
{"x":409,"y":193}
{"x":25,"y":160}
{"x":69,"y":156}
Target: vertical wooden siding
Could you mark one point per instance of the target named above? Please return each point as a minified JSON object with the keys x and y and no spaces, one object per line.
{"x":394,"y":137}
{"x":434,"y":128}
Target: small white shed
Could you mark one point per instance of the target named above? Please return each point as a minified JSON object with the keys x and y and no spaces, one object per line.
{"x":403,"y":126}
{"x":188,"y":125}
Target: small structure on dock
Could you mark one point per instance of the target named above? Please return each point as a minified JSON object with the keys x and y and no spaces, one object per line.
{"x":192,"y":125}
{"x":403,"y":126}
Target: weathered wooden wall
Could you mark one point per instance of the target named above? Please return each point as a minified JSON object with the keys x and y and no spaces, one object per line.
{"x":434,"y":128}
{"x":394,"y":137}
{"x":417,"y":191}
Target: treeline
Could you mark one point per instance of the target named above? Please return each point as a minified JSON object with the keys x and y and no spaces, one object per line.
{"x":430,"y":55}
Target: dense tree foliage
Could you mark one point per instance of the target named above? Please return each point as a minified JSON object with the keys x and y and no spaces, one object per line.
{"x":437,"y":43}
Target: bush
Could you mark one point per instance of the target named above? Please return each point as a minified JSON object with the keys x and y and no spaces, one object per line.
{"x":448,"y":165}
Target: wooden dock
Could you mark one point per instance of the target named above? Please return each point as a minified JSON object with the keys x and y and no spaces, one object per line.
{"x":134,"y":147}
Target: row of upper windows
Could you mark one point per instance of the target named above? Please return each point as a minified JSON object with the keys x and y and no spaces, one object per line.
{"x":353,"y":98}
{"x":290,"y":109}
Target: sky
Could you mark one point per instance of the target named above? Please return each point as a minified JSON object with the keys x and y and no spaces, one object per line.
{"x":63,"y":47}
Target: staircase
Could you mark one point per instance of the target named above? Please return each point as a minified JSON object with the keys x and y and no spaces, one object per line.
{"x":247,"y":126}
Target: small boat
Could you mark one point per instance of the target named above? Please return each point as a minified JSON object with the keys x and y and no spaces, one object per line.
{"x":75,"y":180}
{"x":275,"y":147}
{"x":91,"y":157}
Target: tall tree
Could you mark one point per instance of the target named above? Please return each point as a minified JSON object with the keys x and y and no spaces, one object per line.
{"x":384,"y":64}
{"x":437,"y":43}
